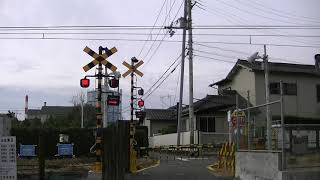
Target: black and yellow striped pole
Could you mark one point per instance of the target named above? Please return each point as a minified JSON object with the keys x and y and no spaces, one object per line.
{"x":135,"y":63}
{"x":99,"y":59}
{"x":98,"y":164}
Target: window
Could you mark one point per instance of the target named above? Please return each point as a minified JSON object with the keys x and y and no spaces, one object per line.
{"x":318,"y":93}
{"x":207,"y":124}
{"x":274,"y":88}
{"x":288,"y":88}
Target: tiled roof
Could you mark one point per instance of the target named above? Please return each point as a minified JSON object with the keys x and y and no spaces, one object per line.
{"x":160,"y":114}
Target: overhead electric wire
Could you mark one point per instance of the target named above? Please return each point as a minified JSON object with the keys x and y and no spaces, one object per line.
{"x":168,"y":41}
{"x":162,"y":81}
{"x":247,"y":54}
{"x":143,"y":34}
{"x":215,"y":59}
{"x":163,"y":73}
{"x":266,"y":11}
{"x":284,"y":12}
{"x":150,"y":89}
{"x":154,"y":24}
{"x":255,"y":14}
{"x":216,"y":54}
{"x":153,"y":43}
{"x":157,"y":48}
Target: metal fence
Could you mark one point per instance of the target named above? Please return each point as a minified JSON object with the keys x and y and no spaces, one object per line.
{"x":295,"y":139}
{"x":302,"y":147}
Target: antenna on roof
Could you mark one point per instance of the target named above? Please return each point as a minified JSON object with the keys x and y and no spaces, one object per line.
{"x":253,"y":57}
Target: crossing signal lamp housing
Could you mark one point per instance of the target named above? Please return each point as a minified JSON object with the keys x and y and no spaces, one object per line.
{"x":141,"y":92}
{"x":84,"y":83}
{"x":114,"y":83}
{"x":141,"y":103}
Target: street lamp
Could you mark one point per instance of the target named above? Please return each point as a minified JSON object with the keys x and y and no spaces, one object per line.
{"x":264,"y":58}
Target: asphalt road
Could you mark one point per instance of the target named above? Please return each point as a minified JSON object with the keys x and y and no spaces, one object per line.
{"x":178,"y":168}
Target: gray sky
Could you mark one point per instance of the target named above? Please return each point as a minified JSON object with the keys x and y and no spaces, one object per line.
{"x":49,"y":70}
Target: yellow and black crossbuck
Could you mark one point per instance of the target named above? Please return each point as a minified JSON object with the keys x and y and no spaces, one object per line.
{"x":133,"y":68}
{"x":100,"y":59}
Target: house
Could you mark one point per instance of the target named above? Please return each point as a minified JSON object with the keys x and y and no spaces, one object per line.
{"x":211,"y":120}
{"x":160,"y":120}
{"x":301,"y":85}
{"x":211,"y":117}
{"x":48,"y":111}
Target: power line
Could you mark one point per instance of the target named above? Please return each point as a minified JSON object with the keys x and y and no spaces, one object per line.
{"x":216,"y":54}
{"x":162,"y":81}
{"x":283,"y":12}
{"x":150,"y":90}
{"x":265,"y":10}
{"x":163,"y":74}
{"x":222,"y":49}
{"x":143,"y":34}
{"x":222,"y":60}
{"x":244,"y":53}
{"x":255,"y":14}
{"x":168,"y":41}
{"x":157,"y":48}
{"x":150,"y":34}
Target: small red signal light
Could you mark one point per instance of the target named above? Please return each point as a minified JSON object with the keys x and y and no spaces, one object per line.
{"x":84,"y":83}
{"x":141,"y":103}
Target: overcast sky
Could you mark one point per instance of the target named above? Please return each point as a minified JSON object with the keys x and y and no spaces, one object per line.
{"x":49,"y":70}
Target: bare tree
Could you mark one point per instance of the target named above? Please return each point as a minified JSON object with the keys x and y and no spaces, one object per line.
{"x":79,"y":100}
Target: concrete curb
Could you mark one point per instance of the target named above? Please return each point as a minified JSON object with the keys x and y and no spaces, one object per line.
{"x":155,"y":165}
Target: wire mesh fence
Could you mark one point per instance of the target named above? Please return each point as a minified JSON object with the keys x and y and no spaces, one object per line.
{"x":295,"y":139}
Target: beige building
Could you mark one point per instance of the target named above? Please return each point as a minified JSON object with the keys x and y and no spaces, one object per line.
{"x":301,"y":86}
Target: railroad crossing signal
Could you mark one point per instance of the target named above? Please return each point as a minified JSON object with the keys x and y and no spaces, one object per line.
{"x":133,"y":68}
{"x":100,"y":59}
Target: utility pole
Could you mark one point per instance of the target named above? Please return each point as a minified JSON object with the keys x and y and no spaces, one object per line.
{"x":248,"y":119}
{"x":190,"y":53}
{"x":266,"y":76}
{"x":183,"y":55}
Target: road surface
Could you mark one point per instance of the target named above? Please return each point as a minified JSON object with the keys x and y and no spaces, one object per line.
{"x":178,"y":169}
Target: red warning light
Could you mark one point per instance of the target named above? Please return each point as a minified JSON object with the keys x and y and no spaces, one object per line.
{"x":85,"y":83}
{"x":141,"y":103}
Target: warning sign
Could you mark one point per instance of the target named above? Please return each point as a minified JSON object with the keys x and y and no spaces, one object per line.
{"x":8,"y":159}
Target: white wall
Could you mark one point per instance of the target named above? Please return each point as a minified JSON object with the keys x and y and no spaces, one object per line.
{"x":243,"y":81}
{"x":171,"y":139}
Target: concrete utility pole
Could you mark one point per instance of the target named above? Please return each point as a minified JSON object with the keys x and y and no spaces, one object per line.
{"x":190,"y":53}
{"x":248,"y":119}
{"x":266,"y":76}
{"x":183,"y":55}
